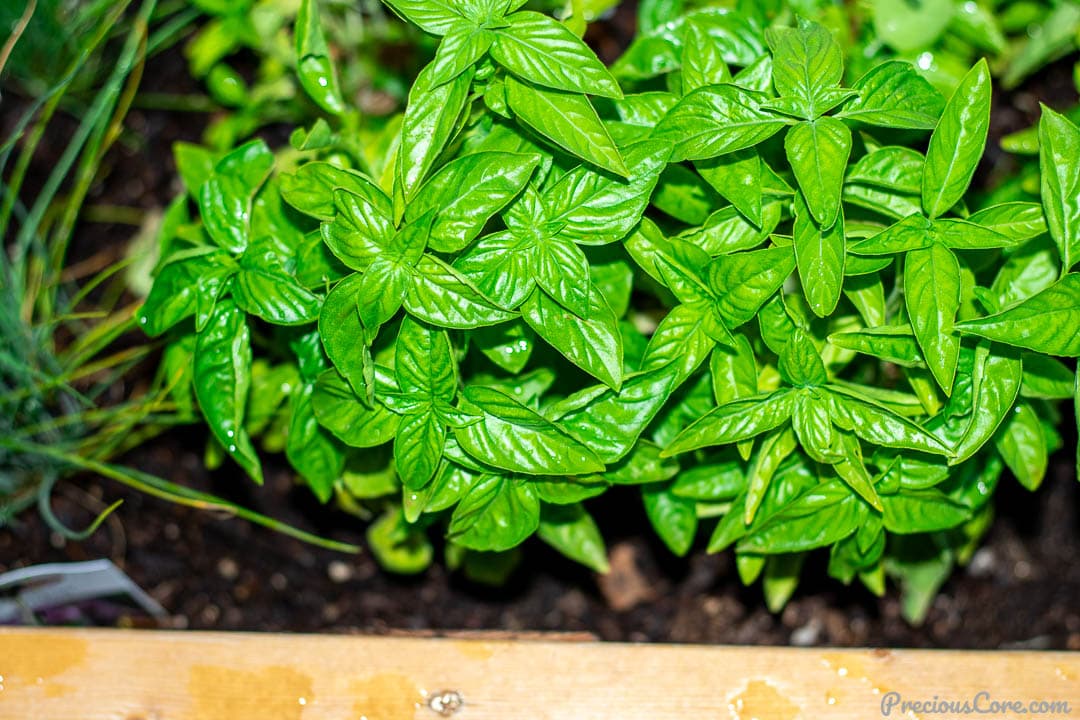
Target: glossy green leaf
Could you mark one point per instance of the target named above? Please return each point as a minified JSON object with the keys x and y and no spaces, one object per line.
{"x":434,"y":16}
{"x":226,"y":197}
{"x":1022,"y":444}
{"x":806,"y":59}
{"x":593,"y":344}
{"x":916,"y":511}
{"x":341,"y":411}
{"x":932,"y":296}
{"x":541,"y":50}
{"x":743,"y":282}
{"x":715,"y":120}
{"x":496,"y":514}
{"x":957,"y":142}
{"x":187,"y":286}
{"x":818,"y":517}
{"x":431,"y":121}
{"x":1037,"y":322}
{"x":310,"y":448}
{"x":673,"y":518}
{"x":735,"y":421}
{"x":222,"y":379}
{"x":418,"y":448}
{"x":894,"y":95}
{"x":573,"y":532}
{"x":818,"y":152}
{"x":569,"y":121}
{"x":737,"y":177}
{"x":515,"y":438}
{"x":820,"y":256}
{"x":1059,"y":165}
{"x":314,"y":66}
{"x":441,"y":296}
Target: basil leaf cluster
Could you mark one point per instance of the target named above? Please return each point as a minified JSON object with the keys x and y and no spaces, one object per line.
{"x":731,"y":279}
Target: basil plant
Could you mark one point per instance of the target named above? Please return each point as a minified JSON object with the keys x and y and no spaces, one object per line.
{"x":755,"y":294}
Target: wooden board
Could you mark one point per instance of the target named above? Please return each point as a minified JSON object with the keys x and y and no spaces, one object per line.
{"x":141,"y":675}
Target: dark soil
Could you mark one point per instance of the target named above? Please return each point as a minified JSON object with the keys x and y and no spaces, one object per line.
{"x":1021,"y":590}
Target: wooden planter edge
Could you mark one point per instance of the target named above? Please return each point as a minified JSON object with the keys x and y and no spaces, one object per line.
{"x":154,"y":675}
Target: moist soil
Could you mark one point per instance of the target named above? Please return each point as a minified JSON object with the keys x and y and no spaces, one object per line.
{"x":1021,"y":590}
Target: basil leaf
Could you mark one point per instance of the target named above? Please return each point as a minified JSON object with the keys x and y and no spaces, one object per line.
{"x":310,"y":449}
{"x":1015,"y":220}
{"x":1022,"y":444}
{"x":893,"y":344}
{"x":818,"y":152}
{"x":820,"y":257}
{"x":673,"y":518}
{"x":806,"y":59}
{"x":418,"y":448}
{"x":593,"y":344}
{"x":508,"y":345}
{"x":996,"y":380}
{"x":820,"y":516}
{"x":735,"y":421}
{"x":702,"y":58}
{"x":1036,"y":323}
{"x":222,"y":379}
{"x":310,"y":189}
{"x":424,"y":362}
{"x":737,"y":177}
{"x":917,"y":511}
{"x":341,"y":411}
{"x":1059,"y":166}
{"x":743,"y":282}
{"x":893,"y":168}
{"x":715,"y":120}
{"x":932,"y":295}
{"x":433,"y":16}
{"x":187,"y":286}
{"x":800,"y":363}
{"x":431,"y":120}
{"x":512,"y":437}
{"x":774,"y":448}
{"x":894,"y":95}
{"x":594,"y":208}
{"x":957,"y":142}
{"x":572,"y":531}
{"x":360,"y":231}
{"x":496,"y":514}
{"x":313,"y":64}
{"x":264,"y":288}
{"x":462,"y":46}
{"x":226,"y":197}
{"x":441,"y":296}
{"x":467,"y":192}
{"x":569,"y":121}
{"x":541,"y":50}
{"x":878,"y":425}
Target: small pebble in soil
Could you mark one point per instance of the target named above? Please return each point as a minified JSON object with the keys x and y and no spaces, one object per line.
{"x":339,"y":572}
{"x":279,"y":582}
{"x":228,"y":569}
{"x":808,"y":634}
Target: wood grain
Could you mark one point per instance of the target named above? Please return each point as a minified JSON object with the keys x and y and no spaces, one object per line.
{"x":141,"y":675}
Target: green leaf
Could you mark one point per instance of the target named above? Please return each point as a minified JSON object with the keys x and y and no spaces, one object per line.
{"x":437,"y":17}
{"x":957,"y":142}
{"x":891,"y":343}
{"x":806,"y":60}
{"x":894,"y":95}
{"x":381,"y":292}
{"x":360,"y":231}
{"x":222,"y":379}
{"x":186,"y":286}
{"x":569,"y":121}
{"x":572,"y":531}
{"x":1059,"y":166}
{"x":263,"y":287}
{"x":398,"y":546}
{"x":744,"y":281}
{"x":513,"y":437}
{"x":593,"y":344}
{"x":918,"y":511}
{"x":820,"y":255}
{"x":906,"y":26}
{"x":737,"y":177}
{"x":777,"y":445}
{"x":673,"y":518}
{"x":314,"y":66}
{"x":462,"y":46}
{"x":820,"y":516}
{"x":595,"y":208}
{"x":441,"y":296}
{"x":310,"y":189}
{"x":226,"y":197}
{"x":496,"y":514}
{"x":878,"y":425}
{"x":541,"y":50}
{"x":1017,"y":221}
{"x":818,"y":152}
{"x":467,"y":192}
{"x":800,"y":363}
{"x":932,"y":296}
{"x":341,"y":411}
{"x":1022,"y":444}
{"x":418,"y":448}
{"x":681,"y":342}
{"x":1036,"y":323}
{"x":508,"y":345}
{"x":893,"y":167}
{"x":431,"y":121}
{"x":996,"y":380}
{"x":716,"y":120}
{"x":562,"y":270}
{"x":313,"y":451}
{"x":733,"y":370}
{"x":702,"y":57}
{"x":424,"y":361}
{"x":342,"y":334}
{"x":735,"y":421}
{"x":501,"y":267}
